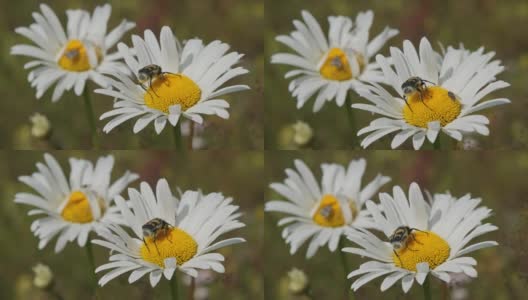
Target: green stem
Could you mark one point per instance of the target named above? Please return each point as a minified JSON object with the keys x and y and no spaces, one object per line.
{"x":352,"y":122}
{"x":345,"y":268}
{"x":427,"y":289}
{"x":90,"y":116}
{"x":174,"y":286}
{"x":176,"y":130}
{"x":437,"y":145}
{"x":89,"y":254}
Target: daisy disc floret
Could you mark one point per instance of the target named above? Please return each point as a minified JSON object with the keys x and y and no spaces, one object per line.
{"x":441,"y":237}
{"x":329,"y":66}
{"x":323,"y":212}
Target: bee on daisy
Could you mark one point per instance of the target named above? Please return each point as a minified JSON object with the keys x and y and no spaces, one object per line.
{"x":168,"y":233}
{"x":69,"y":58}
{"x":73,"y":206}
{"x":323,"y":212}
{"x":171,"y":81}
{"x":433,"y":93}
{"x":330,"y":66}
{"x":421,"y":238}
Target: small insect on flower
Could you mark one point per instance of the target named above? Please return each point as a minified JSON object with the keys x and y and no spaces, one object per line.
{"x":412,"y":85}
{"x":72,"y":54}
{"x":326,"y":212}
{"x":400,"y":238}
{"x":155,"y":229}
{"x":150,"y":73}
{"x":336,"y":62}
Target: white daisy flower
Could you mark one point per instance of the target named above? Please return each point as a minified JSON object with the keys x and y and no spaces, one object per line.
{"x":70,"y":58}
{"x":438,"y":243}
{"x":323,"y":213}
{"x":455,"y":85}
{"x":75,"y":207}
{"x":190,"y":85}
{"x":331,"y":66}
{"x":193,"y":223}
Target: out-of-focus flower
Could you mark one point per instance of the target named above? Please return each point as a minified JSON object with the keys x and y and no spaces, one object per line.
{"x":24,"y":287}
{"x":43,"y":276}
{"x":70,"y":58}
{"x":470,"y":143}
{"x":298,"y":282}
{"x":322,"y":213}
{"x":75,"y":205}
{"x":40,"y":126}
{"x":331,"y":66}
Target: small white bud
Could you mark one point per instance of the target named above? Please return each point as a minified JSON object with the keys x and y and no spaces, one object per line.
{"x":43,"y":276}
{"x":40,"y":126}
{"x":303,"y":133}
{"x":298,"y":281}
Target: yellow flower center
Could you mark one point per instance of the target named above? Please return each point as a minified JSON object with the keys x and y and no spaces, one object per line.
{"x":435,"y":104}
{"x":329,"y":213}
{"x":172,"y":89}
{"x":173,"y":243}
{"x":424,"y":247}
{"x":78,"y":209}
{"x":337,"y":67}
{"x":75,"y":57}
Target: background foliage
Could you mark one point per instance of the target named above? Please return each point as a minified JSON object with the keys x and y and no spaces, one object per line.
{"x":496,"y":25}
{"x":211,"y":171}
{"x":238,"y":23}
{"x":496,"y":177}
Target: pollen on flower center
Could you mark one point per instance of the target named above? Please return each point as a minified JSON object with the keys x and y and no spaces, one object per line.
{"x":175,"y":243}
{"x":78,"y":209}
{"x":337,"y":67}
{"x":172,"y":89}
{"x":329,"y":213}
{"x":424,"y":247}
{"x":435,"y":104}
{"x":75,"y":57}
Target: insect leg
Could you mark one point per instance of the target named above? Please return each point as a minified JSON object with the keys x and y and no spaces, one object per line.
{"x":420,"y":230}
{"x":405,"y":99}
{"x":414,"y":239}
{"x":156,"y":246}
{"x":401,"y":263}
{"x":146,"y":244}
{"x":145,"y":89}
{"x":150,"y":84}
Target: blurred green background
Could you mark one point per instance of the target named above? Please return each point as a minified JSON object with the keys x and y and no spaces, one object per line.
{"x":238,"y":23}
{"x":235,"y":174}
{"x":497,"y":25}
{"x":499,"y":178}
